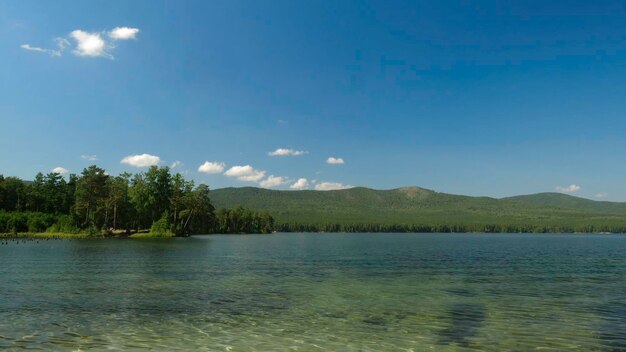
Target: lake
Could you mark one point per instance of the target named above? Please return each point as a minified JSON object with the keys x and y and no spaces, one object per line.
{"x":312,"y":292}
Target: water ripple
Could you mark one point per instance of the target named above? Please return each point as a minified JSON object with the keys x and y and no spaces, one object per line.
{"x":378,"y":292}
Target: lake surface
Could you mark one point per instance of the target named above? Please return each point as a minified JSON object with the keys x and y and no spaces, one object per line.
{"x":312,"y":292}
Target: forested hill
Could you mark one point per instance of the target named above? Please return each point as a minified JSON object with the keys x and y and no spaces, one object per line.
{"x":414,"y":208}
{"x":561,"y":200}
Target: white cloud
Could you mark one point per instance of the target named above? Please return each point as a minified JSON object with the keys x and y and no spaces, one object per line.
{"x":284,"y":152}
{"x":330,"y":186}
{"x":141,"y":160}
{"x":90,"y":44}
{"x":33,"y":48}
{"x":245,"y":173}
{"x":601,"y":195}
{"x":211,"y":167}
{"x":89,"y":157}
{"x":123,"y":33}
{"x":302,"y":183}
{"x":569,"y":189}
{"x":176,"y":164}
{"x":61,"y":43}
{"x":334,"y":161}
{"x":273,"y":181}
{"x":60,"y":170}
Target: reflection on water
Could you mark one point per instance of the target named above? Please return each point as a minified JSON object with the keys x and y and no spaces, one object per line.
{"x":305,"y":292}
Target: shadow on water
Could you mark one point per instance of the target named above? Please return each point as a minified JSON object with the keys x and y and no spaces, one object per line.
{"x":457,"y":291}
{"x":464,"y":321}
{"x":612,"y":330}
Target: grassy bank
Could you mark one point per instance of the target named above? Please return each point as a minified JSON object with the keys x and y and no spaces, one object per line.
{"x":61,"y":235}
{"x":48,"y":235}
{"x":152,"y":235}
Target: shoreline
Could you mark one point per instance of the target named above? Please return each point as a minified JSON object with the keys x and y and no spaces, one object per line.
{"x":71,"y":236}
{"x":62,"y":235}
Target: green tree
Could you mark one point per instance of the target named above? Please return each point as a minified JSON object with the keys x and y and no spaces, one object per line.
{"x":162,"y":227}
{"x":139,"y":195}
{"x":14,"y":194}
{"x":199,"y":213}
{"x":150,"y":194}
{"x":36,"y":194}
{"x":117,"y":199}
{"x":159,"y":184}
{"x":53,"y":189}
{"x":242,"y":220}
{"x":69,"y":194}
{"x":91,"y":194}
{"x":180,"y":189}
{"x":2,"y":193}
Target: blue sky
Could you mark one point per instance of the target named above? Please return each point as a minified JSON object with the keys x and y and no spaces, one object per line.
{"x":477,"y":98}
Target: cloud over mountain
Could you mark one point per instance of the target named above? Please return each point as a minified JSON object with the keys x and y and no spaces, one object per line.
{"x":569,"y":189}
{"x":245,"y":173}
{"x":302,"y":183}
{"x":214,"y":167}
{"x":331,"y":186}
{"x":273,"y":181}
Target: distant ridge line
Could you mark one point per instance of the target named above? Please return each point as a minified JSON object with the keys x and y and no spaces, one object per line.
{"x":416,"y":207}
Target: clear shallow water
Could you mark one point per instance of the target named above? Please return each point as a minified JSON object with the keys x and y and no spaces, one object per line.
{"x":311,"y":292}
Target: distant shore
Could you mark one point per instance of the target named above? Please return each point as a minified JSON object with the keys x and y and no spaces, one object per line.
{"x":61,"y":235}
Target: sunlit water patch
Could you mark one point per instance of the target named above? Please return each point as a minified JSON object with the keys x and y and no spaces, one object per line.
{"x":310,"y":292}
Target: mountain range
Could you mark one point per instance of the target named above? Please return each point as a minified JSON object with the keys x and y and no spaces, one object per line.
{"x":415,"y":206}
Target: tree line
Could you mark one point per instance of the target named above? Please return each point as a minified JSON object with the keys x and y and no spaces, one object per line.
{"x":97,"y":202}
{"x":444,"y":228}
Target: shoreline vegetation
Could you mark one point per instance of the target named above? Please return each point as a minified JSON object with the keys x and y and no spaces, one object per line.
{"x":155,"y":203}
{"x":159,"y":204}
{"x":61,"y":235}
{"x":350,"y":230}
{"x":148,"y":235}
